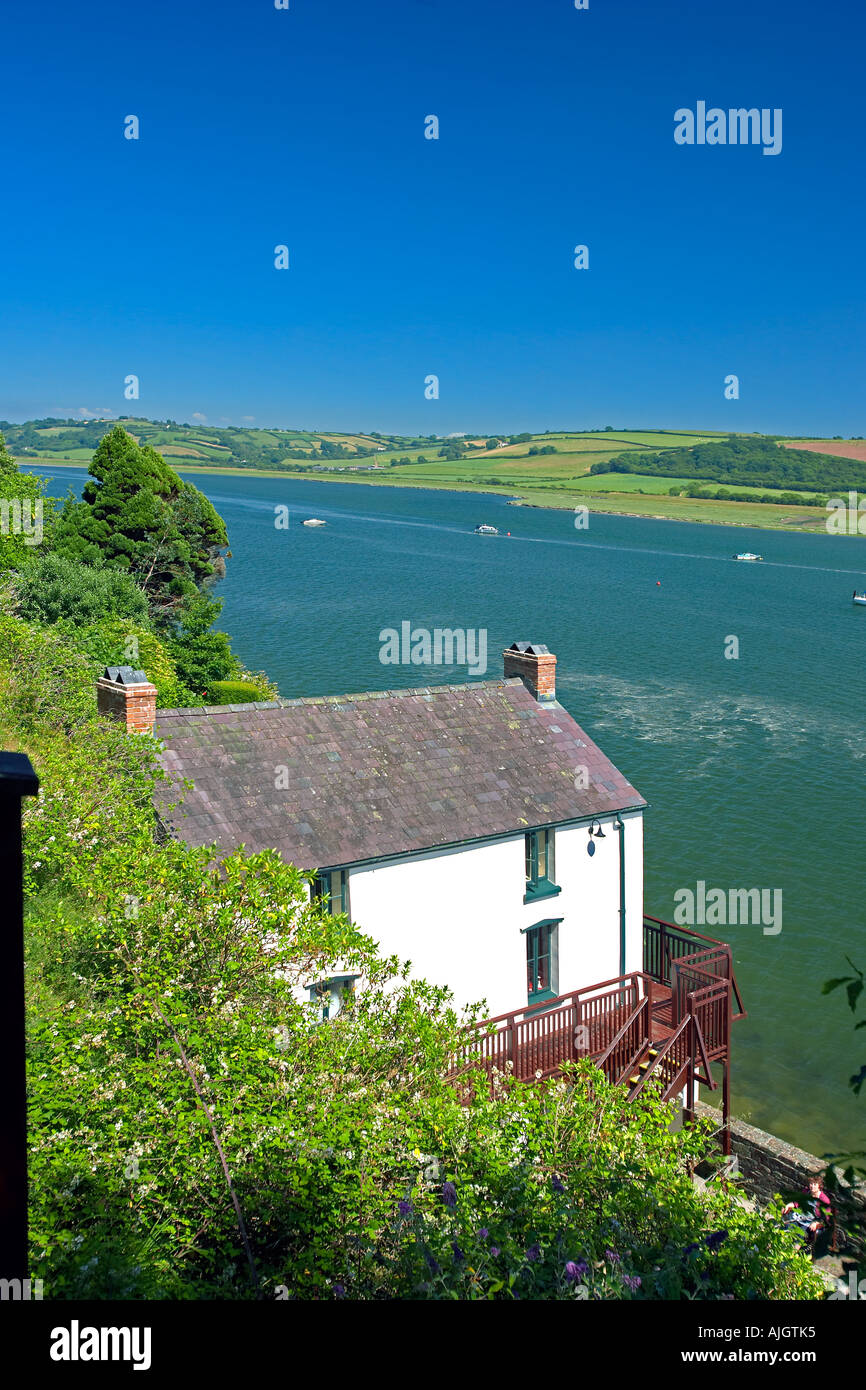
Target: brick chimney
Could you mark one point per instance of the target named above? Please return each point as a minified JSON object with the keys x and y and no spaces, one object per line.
{"x":535,"y":666}
{"x":127,"y":695}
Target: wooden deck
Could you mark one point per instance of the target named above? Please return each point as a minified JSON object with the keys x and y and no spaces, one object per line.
{"x":671,"y":1021}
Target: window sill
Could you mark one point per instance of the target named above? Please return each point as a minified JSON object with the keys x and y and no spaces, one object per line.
{"x":537,"y":1001}
{"x":543,"y":889}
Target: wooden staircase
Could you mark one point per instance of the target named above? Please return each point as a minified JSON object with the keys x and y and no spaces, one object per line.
{"x":643,"y":1069}
{"x":669,"y":1022}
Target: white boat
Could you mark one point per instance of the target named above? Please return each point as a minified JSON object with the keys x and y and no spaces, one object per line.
{"x":485,"y":530}
{"x":748,"y":555}
{"x":859,"y":598}
{"x":314,"y":521}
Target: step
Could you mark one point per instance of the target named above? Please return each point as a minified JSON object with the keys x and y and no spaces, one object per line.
{"x":644,"y":1065}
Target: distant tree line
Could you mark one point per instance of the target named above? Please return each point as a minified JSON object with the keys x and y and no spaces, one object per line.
{"x":757,"y":462}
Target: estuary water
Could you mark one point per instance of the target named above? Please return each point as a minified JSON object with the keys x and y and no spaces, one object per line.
{"x":753,"y":764}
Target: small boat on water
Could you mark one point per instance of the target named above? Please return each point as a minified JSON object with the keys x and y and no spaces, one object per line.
{"x":485,"y":530}
{"x":860,"y":598}
{"x":314,"y":521}
{"x":748,"y":555}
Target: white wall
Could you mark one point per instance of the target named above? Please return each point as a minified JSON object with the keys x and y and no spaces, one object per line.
{"x":457,"y":914}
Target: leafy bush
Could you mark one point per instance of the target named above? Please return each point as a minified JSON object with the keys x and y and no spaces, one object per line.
{"x":21,"y":496}
{"x":200,"y":653}
{"x":56,"y":587}
{"x":116,"y":642}
{"x":231,"y":693}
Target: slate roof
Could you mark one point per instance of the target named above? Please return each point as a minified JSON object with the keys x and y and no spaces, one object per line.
{"x":381,"y":774}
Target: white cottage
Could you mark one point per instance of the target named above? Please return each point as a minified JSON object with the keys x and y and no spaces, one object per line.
{"x":475,"y":830}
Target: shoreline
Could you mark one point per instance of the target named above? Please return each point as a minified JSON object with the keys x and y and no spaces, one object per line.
{"x":700,"y":511}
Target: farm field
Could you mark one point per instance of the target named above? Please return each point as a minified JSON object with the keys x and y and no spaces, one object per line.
{"x":559,"y":480}
{"x":637,"y":482}
{"x":840,"y":448}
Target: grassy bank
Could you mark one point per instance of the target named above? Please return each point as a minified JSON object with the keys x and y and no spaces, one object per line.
{"x":541,"y":492}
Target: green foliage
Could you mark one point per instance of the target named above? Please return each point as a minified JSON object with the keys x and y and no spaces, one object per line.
{"x":571,"y":1191}
{"x":57,"y":587}
{"x":7,"y":462}
{"x":194,"y":1133}
{"x":137,"y":515}
{"x":200,"y":654}
{"x":117,"y":642}
{"x":23,"y":536}
{"x":752,"y":462}
{"x":453,"y":449}
{"x":231,"y":693}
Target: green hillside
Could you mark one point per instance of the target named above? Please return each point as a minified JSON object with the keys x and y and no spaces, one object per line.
{"x":695,"y":476}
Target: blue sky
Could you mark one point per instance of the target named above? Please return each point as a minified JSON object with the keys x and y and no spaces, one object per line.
{"x":411,"y":257}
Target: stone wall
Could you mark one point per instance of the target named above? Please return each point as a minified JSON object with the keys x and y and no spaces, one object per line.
{"x":769,"y":1166}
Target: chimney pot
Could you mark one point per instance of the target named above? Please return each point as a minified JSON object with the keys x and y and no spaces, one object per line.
{"x":536,"y":667}
{"x":127,"y":695}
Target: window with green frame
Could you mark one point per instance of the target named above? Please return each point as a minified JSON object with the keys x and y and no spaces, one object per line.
{"x":332,"y":994}
{"x":542,"y":960}
{"x":539,"y":865}
{"x":332,"y":890}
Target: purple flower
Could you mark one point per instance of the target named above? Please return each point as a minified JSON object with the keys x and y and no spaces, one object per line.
{"x":404,"y":1208}
{"x":575,"y":1269}
{"x":612,"y":1256}
{"x":533,"y":1253}
{"x":556,"y":1184}
{"x":715,"y":1239}
{"x":458,"y":1253}
{"x":695,"y":1245}
{"x":494,"y":1250}
{"x":339,"y":1291}
{"x":432,"y":1264}
{"x":483,"y":1233}
{"x":632,"y":1281}
{"x":449,"y":1194}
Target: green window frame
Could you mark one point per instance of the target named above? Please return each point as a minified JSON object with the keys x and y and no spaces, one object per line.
{"x":542,"y":960}
{"x":331,"y":888}
{"x":539,"y":852}
{"x":322,"y":991}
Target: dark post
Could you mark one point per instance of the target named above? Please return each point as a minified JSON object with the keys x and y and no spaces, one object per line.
{"x":17,"y":779}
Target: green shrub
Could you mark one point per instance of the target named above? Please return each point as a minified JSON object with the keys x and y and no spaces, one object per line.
{"x":57,"y":587}
{"x":116,"y":642}
{"x":232,"y":693}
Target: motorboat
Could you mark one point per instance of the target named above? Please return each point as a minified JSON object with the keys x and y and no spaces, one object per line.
{"x":314,"y":521}
{"x":748,"y":555}
{"x":485,"y":530}
{"x":859,"y":598}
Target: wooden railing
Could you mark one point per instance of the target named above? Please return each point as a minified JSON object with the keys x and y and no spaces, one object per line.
{"x":630,"y":1045}
{"x":532,"y":1040}
{"x":673,"y":1062}
{"x":613,"y":1023}
{"x":664,"y":945}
